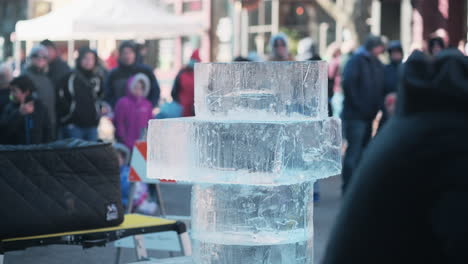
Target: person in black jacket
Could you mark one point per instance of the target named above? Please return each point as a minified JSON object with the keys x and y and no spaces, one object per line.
{"x":116,"y":83}
{"x":408,"y":202}
{"x":79,"y":98}
{"x":24,"y":120}
{"x":57,"y":67}
{"x":391,"y":77}
{"x":363,"y":86}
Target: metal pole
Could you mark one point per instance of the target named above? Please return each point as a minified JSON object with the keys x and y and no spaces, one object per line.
{"x":376,"y":17}
{"x":275,"y":9}
{"x":405,"y":25}
{"x":17,"y":70}
{"x":71,"y":50}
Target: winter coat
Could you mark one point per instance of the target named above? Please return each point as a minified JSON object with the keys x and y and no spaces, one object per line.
{"x":408,"y":202}
{"x":4,"y":98}
{"x":391,"y":77}
{"x":79,"y":99}
{"x":45,"y":90}
{"x":115,"y":84}
{"x":363,"y":86}
{"x":25,"y":129}
{"x":58,"y":69}
{"x":183,"y":91}
{"x":131,"y":116}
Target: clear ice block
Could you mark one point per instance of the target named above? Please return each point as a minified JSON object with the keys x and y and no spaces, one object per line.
{"x":261,"y":90}
{"x":244,"y":151}
{"x":259,"y":141}
{"x":262,"y":215}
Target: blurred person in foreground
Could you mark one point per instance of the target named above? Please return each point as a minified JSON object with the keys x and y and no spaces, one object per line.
{"x":363,"y":86}
{"x":409,"y":200}
{"x":58,"y":68}
{"x":79,"y":100}
{"x":183,"y":89}
{"x":36,"y":69}
{"x":116,"y":83}
{"x":392,"y":76}
{"x":6,"y":76}
{"x":279,"y":48}
{"x":24,"y":119}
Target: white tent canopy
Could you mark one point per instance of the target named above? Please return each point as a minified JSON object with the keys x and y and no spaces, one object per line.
{"x":117,"y":19}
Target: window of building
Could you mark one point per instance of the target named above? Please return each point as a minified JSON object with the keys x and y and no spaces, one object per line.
{"x":166,"y":54}
{"x":192,"y":6}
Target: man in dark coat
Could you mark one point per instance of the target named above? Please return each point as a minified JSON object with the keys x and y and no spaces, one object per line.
{"x":36,"y":70}
{"x":391,"y":76}
{"x":116,"y":83}
{"x":408,"y":202}
{"x":24,"y":120}
{"x":57,"y":67}
{"x":363,"y":86}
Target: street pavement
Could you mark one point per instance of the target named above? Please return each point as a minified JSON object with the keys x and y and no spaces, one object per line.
{"x":177,"y":201}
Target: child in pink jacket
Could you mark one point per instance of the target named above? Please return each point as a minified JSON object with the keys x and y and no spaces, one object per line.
{"x":133,"y":111}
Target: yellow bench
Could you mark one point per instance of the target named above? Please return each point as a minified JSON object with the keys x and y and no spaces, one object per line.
{"x":133,"y":225}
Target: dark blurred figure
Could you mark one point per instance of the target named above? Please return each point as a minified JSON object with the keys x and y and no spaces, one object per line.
{"x":435,"y":45}
{"x":116,"y":82}
{"x":79,"y":98}
{"x":279,"y":48}
{"x":241,"y":59}
{"x":36,"y":70}
{"x":363,"y":86}
{"x":183,"y":90}
{"x":142,"y":52}
{"x":409,"y":200}
{"x":5,"y":79}
{"x":57,"y":67}
{"x":392,"y":70}
{"x":25,"y":119}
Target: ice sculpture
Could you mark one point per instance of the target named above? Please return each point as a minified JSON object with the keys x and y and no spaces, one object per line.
{"x":260,"y":140}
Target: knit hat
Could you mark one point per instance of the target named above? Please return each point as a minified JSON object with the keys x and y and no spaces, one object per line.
{"x":395,"y":46}
{"x":372,"y":42}
{"x":39,"y":50}
{"x":128,"y":44}
{"x":196,"y":55}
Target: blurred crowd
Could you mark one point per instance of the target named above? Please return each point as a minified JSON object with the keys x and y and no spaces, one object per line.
{"x":50,"y":101}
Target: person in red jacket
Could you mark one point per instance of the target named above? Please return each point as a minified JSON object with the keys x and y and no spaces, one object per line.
{"x":183,"y":89}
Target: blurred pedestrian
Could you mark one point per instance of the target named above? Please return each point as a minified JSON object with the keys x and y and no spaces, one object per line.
{"x":408,"y":202}
{"x":57,"y":67}
{"x":279,"y":48}
{"x":80,"y":94}
{"x":183,"y":89}
{"x":115,"y":85}
{"x":334,"y":73}
{"x":391,"y":77}
{"x":435,"y":45}
{"x":5,"y":78}
{"x":25,"y":119}
{"x":363,"y":86}
{"x":113,"y":60}
{"x":36,"y":70}
{"x":133,"y":111}
{"x":307,"y":50}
